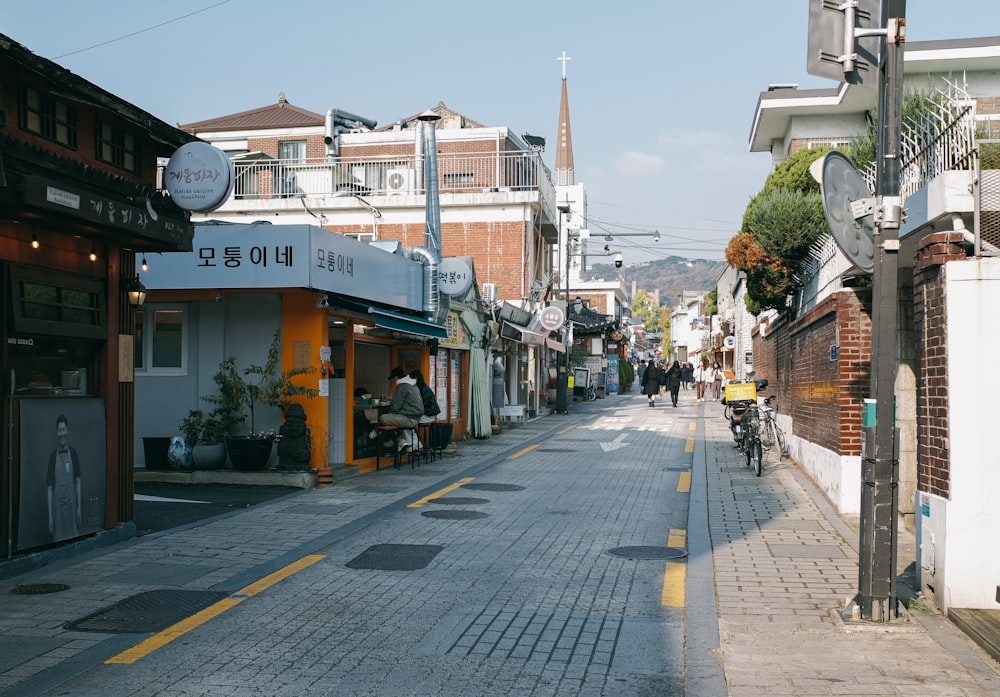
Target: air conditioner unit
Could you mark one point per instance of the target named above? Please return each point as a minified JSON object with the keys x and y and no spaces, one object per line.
{"x":358,"y":172}
{"x":489,"y":292}
{"x":399,"y":180}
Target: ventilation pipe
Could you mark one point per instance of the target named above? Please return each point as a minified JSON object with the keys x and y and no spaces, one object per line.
{"x":432,"y":225}
{"x":338,"y":122}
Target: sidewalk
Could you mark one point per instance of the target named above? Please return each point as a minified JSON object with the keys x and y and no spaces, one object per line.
{"x":784,"y":562}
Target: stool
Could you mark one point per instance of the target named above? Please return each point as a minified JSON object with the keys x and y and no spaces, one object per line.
{"x":385,"y":430}
{"x":427,"y":452}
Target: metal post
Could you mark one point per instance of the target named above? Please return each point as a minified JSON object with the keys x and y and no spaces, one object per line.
{"x":880,"y":466}
{"x":562,"y":372}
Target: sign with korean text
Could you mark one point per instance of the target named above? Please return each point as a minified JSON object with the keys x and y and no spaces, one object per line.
{"x":199,"y":177}
{"x":289,"y":256}
{"x":454,"y":276}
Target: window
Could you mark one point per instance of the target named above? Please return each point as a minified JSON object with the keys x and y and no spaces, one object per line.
{"x":117,"y":147}
{"x":47,"y":116}
{"x":292,"y":150}
{"x":161,"y":341}
{"x":57,"y":304}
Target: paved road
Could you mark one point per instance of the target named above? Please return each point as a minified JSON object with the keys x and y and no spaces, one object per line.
{"x":161,"y":506}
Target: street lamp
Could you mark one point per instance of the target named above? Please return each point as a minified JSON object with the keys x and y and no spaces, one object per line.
{"x":655,"y":234}
{"x":562,"y":374}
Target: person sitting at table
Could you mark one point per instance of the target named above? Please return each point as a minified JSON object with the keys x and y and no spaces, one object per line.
{"x":405,"y":410}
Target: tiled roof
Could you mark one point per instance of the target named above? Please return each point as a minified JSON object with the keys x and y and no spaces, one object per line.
{"x":449,"y":119}
{"x":280,"y":115}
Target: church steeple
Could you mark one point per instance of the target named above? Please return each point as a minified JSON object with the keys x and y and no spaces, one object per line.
{"x":564,"y":150}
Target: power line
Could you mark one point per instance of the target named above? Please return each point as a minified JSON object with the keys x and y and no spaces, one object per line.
{"x":142,"y":31}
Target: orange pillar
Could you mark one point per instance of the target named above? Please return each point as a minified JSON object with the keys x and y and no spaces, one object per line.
{"x":304,"y":330}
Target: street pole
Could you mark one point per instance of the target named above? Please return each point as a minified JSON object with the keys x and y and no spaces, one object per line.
{"x":880,"y":465}
{"x":562,"y":372}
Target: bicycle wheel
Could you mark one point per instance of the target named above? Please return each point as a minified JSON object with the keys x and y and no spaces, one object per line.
{"x":779,"y":438}
{"x":748,"y":439}
{"x":756,"y":456}
{"x":728,"y":412}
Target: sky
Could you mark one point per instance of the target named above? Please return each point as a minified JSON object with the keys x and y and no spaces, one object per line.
{"x":662,"y":94}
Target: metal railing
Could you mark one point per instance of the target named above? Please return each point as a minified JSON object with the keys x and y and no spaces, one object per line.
{"x":392,"y":175}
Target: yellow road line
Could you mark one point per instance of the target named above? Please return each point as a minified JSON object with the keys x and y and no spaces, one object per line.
{"x":568,"y":428}
{"x":689,"y":446}
{"x":161,"y":639}
{"x":440,"y":492}
{"x":693,"y":426}
{"x":684,"y":483}
{"x":673,"y":585}
{"x":524,"y":451}
{"x":675,"y":574}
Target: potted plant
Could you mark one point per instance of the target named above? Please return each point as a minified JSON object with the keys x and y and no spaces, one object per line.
{"x":242,"y":392}
{"x":206,"y":435}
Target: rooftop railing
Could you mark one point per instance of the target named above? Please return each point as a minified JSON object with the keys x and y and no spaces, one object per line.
{"x":262,"y":177}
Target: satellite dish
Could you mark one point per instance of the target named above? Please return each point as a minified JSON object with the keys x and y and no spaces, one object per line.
{"x":850,"y":210}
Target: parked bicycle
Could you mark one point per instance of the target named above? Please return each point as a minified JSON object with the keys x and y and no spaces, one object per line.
{"x":771,"y":433}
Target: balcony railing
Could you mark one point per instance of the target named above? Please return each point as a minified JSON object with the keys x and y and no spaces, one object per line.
{"x":262,"y":177}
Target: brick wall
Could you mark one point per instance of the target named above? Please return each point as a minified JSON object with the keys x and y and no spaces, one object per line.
{"x":930,"y":311}
{"x":823,"y":397}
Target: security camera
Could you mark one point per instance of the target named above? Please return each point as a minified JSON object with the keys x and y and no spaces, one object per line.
{"x":618,"y":261}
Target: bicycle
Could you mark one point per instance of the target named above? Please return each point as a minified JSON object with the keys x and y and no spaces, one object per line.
{"x":752,"y":446}
{"x":591,"y":393}
{"x":772,"y":433}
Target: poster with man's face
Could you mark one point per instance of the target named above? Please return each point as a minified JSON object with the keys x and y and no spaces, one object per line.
{"x":63,"y":470}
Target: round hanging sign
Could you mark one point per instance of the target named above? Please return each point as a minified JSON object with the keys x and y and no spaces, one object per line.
{"x":454,"y":276}
{"x":199,"y":177}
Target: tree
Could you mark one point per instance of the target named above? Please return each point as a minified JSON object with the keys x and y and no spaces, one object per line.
{"x":647,"y":311}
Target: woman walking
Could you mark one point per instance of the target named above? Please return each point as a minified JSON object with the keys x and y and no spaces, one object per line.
{"x":651,"y":382}
{"x":674,"y":381}
{"x":717,"y":375}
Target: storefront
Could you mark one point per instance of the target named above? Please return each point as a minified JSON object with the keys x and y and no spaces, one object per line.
{"x":350,"y":310}
{"x":77,"y":203}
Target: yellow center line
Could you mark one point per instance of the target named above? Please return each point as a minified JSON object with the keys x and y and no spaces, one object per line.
{"x":674,"y":574}
{"x":161,"y":639}
{"x":684,"y":483}
{"x":568,"y":428}
{"x":440,"y":492}
{"x":689,"y":446}
{"x":693,"y":426}
{"x":524,"y":451}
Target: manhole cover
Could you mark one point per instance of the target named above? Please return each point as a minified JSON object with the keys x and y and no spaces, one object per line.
{"x":459,"y":501}
{"x":39,"y":588}
{"x":486,"y":486}
{"x":151,"y":611}
{"x":395,"y":557}
{"x":650,"y":552}
{"x":454,"y":514}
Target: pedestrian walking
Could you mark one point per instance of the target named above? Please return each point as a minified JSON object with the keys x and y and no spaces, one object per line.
{"x":673,"y":381}
{"x":651,"y":383}
{"x":701,"y":375}
{"x":717,"y":375}
{"x":687,"y":375}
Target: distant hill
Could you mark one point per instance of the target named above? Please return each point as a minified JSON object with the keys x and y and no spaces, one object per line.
{"x":670,"y":276}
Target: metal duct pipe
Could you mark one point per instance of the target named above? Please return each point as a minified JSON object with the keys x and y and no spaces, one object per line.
{"x":337,"y":122}
{"x":430,"y":262}
{"x":432,"y":214}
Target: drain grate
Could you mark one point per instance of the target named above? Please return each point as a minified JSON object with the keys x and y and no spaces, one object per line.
{"x":487,"y":486}
{"x":648,"y":552}
{"x":453,"y":514}
{"x":459,"y":501}
{"x":39,"y":588}
{"x":395,"y":557}
{"x":151,"y":611}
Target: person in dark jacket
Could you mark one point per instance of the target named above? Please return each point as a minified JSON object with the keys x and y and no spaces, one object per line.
{"x":673,"y":381}
{"x":651,"y":382}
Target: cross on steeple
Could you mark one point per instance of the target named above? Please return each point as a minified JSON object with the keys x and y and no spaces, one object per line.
{"x":564,"y":58}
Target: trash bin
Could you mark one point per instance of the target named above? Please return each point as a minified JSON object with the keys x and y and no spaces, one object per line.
{"x":154,"y":449}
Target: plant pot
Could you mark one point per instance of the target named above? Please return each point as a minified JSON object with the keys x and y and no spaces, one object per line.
{"x":154,"y":449}
{"x":179,"y":454}
{"x":248,"y":454}
{"x":209,"y":457}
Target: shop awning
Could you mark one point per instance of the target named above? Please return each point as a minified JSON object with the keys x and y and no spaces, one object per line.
{"x":556,"y":346}
{"x":388,"y":319}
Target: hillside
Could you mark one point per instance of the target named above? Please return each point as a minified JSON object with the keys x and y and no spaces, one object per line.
{"x":670,"y":276}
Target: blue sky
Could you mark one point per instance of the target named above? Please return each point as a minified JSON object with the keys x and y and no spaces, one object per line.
{"x":662,"y":94}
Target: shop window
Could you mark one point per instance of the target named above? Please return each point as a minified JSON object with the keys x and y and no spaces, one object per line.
{"x":117,"y":147}
{"x":57,"y":304}
{"x":47,"y":116}
{"x":161,"y":341}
